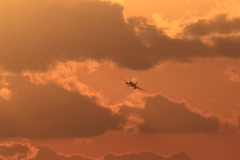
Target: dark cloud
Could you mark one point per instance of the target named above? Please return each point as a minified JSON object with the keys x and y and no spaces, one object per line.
{"x":163,"y":47}
{"x":163,"y":115}
{"x":24,"y":151}
{"x":20,"y":151}
{"x":227,"y":46}
{"x":148,"y":155}
{"x":34,"y":35}
{"x":60,"y":30}
{"x":222,"y":32}
{"x":16,"y":151}
{"x":239,"y":122}
{"x":220,"y":24}
{"x":49,"y":111}
{"x":45,"y":153}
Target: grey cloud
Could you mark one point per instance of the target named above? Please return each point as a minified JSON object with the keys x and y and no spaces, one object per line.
{"x":163,"y":47}
{"x":34,"y":36}
{"x":220,"y":24}
{"x":56,"y":31}
{"x":148,"y":155}
{"x":165,"y":116}
{"x":19,"y":151}
{"x":239,"y":122}
{"x":227,"y":46}
{"x":46,"y":153}
{"x":49,"y":111}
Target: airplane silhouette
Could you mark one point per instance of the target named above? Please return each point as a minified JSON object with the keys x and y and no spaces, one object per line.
{"x":130,"y":83}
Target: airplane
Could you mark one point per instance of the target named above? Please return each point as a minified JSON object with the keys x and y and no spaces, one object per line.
{"x":134,"y":85}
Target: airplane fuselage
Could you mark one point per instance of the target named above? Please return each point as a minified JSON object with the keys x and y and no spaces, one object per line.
{"x":131,"y":84}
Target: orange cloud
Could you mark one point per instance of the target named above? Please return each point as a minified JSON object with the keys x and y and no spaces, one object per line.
{"x":50,"y":111}
{"x":17,"y":151}
{"x":5,"y":93}
{"x":148,"y":155}
{"x":220,"y":24}
{"x":239,"y":122}
{"x":163,"y":115}
{"x":5,"y":76}
{"x":233,"y":74}
{"x":82,"y":140}
{"x":47,"y":153}
{"x":81,"y":30}
{"x":20,"y":151}
{"x":65,"y":74}
{"x":162,"y":47}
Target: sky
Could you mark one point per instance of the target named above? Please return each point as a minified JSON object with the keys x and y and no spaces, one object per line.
{"x":62,"y":98}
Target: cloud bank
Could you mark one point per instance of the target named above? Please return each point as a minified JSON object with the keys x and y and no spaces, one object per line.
{"x":49,"y":111}
{"x":63,"y":30}
{"x":162,"y":115}
{"x":36,"y":34}
{"x":19,"y":151}
{"x":148,"y":155}
{"x":46,"y":111}
{"x":220,"y":24}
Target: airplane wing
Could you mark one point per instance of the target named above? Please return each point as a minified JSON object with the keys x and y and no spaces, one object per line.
{"x":136,"y":83}
{"x":124,"y":80}
{"x":140,"y":88}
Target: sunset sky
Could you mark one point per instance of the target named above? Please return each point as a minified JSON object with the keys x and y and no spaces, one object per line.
{"x":62,"y":98}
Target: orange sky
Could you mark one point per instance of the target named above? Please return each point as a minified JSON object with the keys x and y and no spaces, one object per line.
{"x":61,"y":96}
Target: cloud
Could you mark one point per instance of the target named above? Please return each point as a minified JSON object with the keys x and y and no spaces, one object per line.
{"x":227,"y":46}
{"x":230,"y":125}
{"x":220,"y":32}
{"x":17,"y":151}
{"x":5,"y":93}
{"x":238,"y":122}
{"x":162,"y":115}
{"x":162,"y":47}
{"x":66,"y":76}
{"x":49,"y":111}
{"x":36,"y":34}
{"x":208,"y":37}
{"x":47,"y":153}
{"x":233,"y":74}
{"x":148,"y":155}
{"x":220,"y":24}
{"x":20,"y":151}
{"x":46,"y":111}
